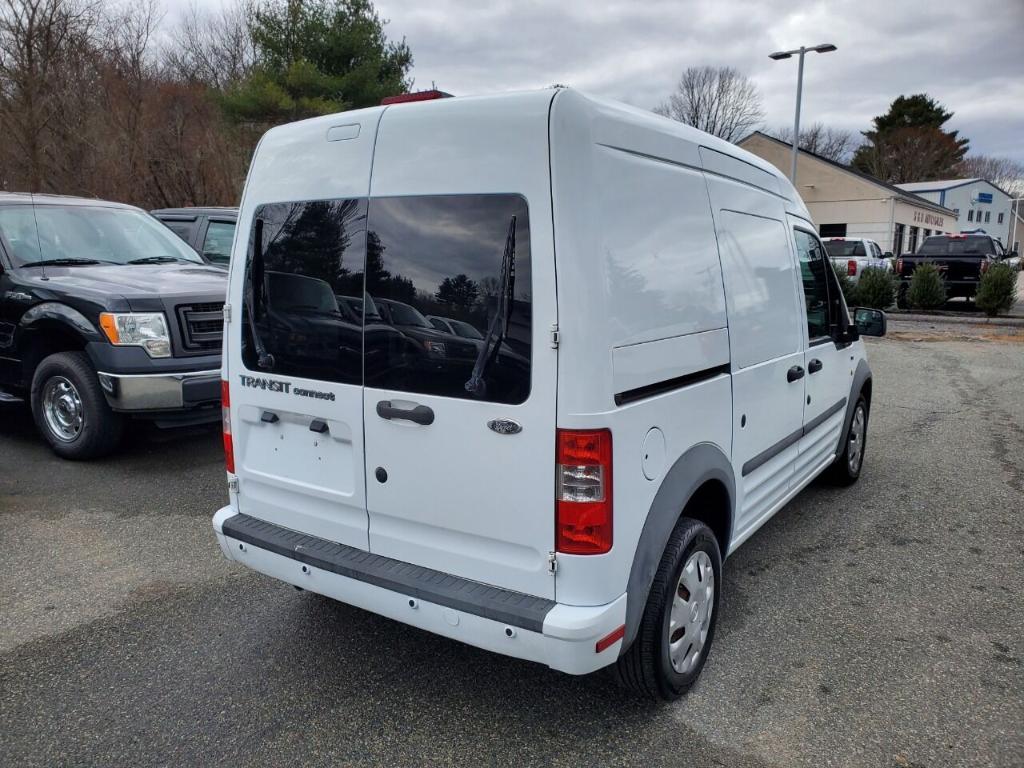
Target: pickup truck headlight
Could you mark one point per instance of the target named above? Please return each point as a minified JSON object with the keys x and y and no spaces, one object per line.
{"x":138,"y":329}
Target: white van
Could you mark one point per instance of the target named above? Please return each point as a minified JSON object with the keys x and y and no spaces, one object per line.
{"x":665,"y":360}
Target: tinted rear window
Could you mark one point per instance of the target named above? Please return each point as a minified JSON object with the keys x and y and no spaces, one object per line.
{"x":443,"y":256}
{"x":841,"y":249}
{"x":304,"y":290}
{"x":956,"y":246}
{"x":341,"y":289}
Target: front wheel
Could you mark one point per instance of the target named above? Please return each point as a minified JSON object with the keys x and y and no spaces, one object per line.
{"x":845,"y":470}
{"x":70,"y":410}
{"x":678,"y":623}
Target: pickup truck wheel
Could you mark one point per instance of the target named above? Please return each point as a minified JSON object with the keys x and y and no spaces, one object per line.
{"x":70,"y":410}
{"x":678,"y":623}
{"x":845,"y":470}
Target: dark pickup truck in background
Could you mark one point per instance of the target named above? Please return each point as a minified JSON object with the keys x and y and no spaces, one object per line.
{"x":961,"y":259}
{"x":104,"y":315}
{"x":210,"y":231}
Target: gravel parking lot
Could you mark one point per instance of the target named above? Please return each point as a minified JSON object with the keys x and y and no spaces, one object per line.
{"x":876,"y":626}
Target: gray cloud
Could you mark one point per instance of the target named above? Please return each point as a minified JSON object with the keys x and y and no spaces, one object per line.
{"x":967,"y":55}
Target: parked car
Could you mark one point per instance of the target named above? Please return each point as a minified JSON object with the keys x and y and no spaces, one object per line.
{"x":690,"y":365}
{"x":961,"y":259}
{"x":104,"y":315}
{"x":854,"y":255}
{"x":208,"y":230}
{"x":455,"y":327}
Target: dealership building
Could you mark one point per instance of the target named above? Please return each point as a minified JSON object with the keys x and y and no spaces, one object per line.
{"x":844,"y":202}
{"x":978,"y":204}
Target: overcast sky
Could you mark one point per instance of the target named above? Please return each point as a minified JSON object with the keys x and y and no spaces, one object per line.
{"x":967,"y":54}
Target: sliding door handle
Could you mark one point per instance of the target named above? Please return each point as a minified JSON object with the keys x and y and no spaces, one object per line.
{"x":814,"y":366}
{"x":794,"y":374}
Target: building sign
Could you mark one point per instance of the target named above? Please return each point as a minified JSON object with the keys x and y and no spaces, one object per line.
{"x":920,"y":217}
{"x":984,"y":197}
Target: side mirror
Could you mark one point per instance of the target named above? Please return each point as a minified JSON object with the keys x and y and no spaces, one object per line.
{"x":869,"y":322}
{"x":887,"y":254}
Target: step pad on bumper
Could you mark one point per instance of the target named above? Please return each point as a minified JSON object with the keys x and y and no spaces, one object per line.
{"x":513,"y":608}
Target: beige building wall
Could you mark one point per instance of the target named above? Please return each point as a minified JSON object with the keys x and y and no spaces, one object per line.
{"x":868,"y":209}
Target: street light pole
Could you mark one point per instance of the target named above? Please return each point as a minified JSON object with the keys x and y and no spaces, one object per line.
{"x":801,"y":51}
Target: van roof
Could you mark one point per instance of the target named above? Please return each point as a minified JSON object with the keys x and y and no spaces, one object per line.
{"x":640,"y":120}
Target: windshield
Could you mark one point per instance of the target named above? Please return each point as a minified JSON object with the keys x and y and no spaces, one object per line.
{"x":956,"y":246}
{"x":46,"y":233}
{"x":403,"y":314}
{"x":841,"y":249}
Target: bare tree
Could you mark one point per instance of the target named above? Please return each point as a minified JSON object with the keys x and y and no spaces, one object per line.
{"x":215,"y":48}
{"x":39,"y":40}
{"x":1002,"y":171}
{"x":719,"y":100}
{"x":834,"y":144}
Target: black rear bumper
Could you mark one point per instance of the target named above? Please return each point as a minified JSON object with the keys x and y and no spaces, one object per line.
{"x":513,"y":608}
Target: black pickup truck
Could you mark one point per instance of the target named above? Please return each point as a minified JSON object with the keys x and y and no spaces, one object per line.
{"x":961,"y":259}
{"x":105,"y":314}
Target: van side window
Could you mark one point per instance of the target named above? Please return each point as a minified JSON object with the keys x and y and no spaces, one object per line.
{"x":464,"y":259}
{"x":304,"y":290}
{"x":814,"y":273}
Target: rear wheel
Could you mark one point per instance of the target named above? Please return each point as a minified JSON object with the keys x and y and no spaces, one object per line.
{"x":845,"y":470}
{"x":70,"y":410}
{"x":678,"y":623}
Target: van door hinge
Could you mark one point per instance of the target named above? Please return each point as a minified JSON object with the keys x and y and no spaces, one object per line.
{"x":227,"y":313}
{"x":552,"y":563}
{"x":556,"y":336}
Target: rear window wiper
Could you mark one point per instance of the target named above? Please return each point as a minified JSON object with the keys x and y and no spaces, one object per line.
{"x":264,"y":359}
{"x":67,"y":262}
{"x":499,"y":323}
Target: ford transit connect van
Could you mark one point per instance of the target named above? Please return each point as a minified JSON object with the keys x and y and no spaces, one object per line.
{"x":663,"y":360}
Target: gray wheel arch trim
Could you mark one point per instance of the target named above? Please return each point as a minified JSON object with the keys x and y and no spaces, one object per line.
{"x":701,"y":463}
{"x":861,"y":375}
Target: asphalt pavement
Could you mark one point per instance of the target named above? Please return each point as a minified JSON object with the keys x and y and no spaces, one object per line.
{"x":879,"y":625}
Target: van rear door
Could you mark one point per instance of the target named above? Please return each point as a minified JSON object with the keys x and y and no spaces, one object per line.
{"x":460,"y":426}
{"x":294,"y":362}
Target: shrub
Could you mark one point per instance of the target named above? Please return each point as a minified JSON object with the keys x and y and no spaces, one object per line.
{"x":997,"y":290}
{"x":847,"y":285}
{"x":927,"y":288}
{"x":876,"y":289}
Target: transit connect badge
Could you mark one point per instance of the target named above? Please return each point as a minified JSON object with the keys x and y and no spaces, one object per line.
{"x":504,"y":426}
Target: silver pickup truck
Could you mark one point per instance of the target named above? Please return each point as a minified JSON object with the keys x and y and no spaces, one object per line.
{"x":854,"y":255}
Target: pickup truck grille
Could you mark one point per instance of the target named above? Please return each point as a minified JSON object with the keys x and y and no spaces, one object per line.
{"x":202,"y":326}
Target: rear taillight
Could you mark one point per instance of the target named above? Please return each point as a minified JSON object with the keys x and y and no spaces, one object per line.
{"x":899,"y":266}
{"x":984,"y":266}
{"x":225,"y":414}
{"x":851,"y":267}
{"x":583,"y":492}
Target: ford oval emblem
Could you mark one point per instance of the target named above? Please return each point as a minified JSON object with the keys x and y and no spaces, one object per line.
{"x":504,"y":426}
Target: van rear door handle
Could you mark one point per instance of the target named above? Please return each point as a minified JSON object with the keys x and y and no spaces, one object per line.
{"x":421,"y":414}
{"x":794,"y":374}
{"x":814,"y":366}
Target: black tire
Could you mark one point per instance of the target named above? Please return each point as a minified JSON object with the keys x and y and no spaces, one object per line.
{"x":846,"y":470}
{"x":100,"y":430}
{"x":901,"y":297}
{"x":646,"y":667}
